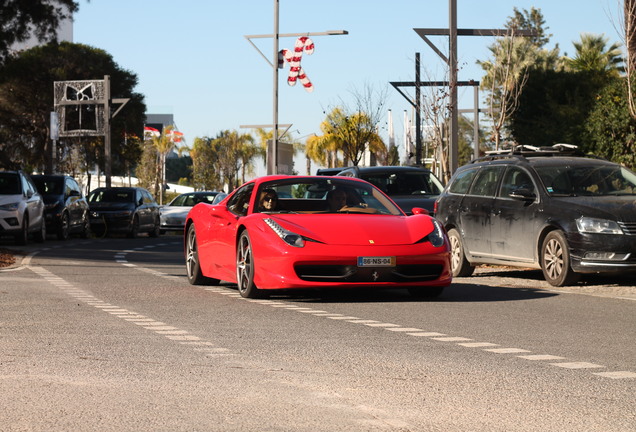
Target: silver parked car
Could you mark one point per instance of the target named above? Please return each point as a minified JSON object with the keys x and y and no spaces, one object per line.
{"x":21,"y":208}
{"x":173,"y":215}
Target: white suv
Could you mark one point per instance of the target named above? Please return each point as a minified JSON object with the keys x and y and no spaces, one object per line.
{"x":21,"y":208}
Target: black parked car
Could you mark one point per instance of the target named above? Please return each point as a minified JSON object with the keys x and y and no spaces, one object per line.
{"x":549,"y":208}
{"x":66,"y":209}
{"x":129,"y":210}
{"x":406,"y":185}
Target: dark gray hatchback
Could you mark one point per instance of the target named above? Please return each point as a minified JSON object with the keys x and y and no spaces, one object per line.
{"x":549,"y":208}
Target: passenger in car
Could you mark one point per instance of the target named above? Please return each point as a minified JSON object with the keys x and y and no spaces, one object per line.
{"x":268,"y":200}
{"x":336,"y":199}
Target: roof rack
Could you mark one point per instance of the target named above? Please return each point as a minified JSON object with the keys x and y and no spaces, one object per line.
{"x":521,"y":151}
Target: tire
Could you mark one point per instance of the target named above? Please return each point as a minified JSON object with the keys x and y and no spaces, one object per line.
{"x":40,"y":236}
{"x":22,"y":238}
{"x":63,"y":230}
{"x":425,"y":292}
{"x":134,"y":229}
{"x":555,"y":260}
{"x":460,"y":266}
{"x":86,"y":228}
{"x":193,"y":265}
{"x":245,"y":268}
{"x":156,"y":230}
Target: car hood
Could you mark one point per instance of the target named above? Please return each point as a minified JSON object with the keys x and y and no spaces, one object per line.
{"x":621,"y":208}
{"x":362,"y":230}
{"x":175,"y":211}
{"x":106,"y":206}
{"x":8,"y":199}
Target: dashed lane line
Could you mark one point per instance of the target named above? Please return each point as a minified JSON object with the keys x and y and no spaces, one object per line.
{"x":409,"y":331}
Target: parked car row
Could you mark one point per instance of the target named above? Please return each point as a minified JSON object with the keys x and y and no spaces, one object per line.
{"x":33,"y":205}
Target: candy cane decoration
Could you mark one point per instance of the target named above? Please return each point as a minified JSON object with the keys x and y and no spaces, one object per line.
{"x":296,"y":72}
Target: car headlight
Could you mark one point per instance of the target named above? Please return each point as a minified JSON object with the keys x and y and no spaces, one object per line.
{"x":597,"y":226}
{"x":288,"y":237}
{"x":436,"y":238}
{"x":10,"y":207}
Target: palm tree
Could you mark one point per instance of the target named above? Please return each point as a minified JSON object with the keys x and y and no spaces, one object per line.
{"x":164,"y":144}
{"x":593,"y":54}
{"x":350,"y":134}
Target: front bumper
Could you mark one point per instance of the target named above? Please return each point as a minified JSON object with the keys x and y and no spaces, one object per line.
{"x":278,"y":266}
{"x":598,"y":253}
{"x":112,"y":222}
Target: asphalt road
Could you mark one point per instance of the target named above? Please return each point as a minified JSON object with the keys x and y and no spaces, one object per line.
{"x":107,"y":335}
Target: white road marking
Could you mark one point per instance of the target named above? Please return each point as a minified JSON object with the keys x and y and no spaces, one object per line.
{"x":577,"y":365}
{"x":507,"y":350}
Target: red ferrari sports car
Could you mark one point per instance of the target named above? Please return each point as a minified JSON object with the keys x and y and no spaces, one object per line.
{"x":282,"y":232}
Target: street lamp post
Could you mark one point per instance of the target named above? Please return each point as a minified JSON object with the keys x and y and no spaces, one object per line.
{"x":273,"y":168}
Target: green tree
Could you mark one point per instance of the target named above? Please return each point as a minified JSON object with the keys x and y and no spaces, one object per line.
{"x":26,"y":99}
{"x":205,"y":156}
{"x":610,"y":128}
{"x":20,"y":20}
{"x":507,"y":70}
{"x":593,"y":55}
{"x":352,"y":134}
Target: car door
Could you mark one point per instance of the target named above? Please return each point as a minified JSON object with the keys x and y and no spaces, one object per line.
{"x":476,"y":211}
{"x":35,"y":204}
{"x":217,"y":239}
{"x":73,"y":199}
{"x":515,"y":221}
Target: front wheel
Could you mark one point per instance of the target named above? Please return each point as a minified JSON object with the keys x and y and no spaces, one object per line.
{"x":134,"y":228}
{"x":245,"y":268}
{"x":193,"y":265}
{"x":63,"y":230}
{"x":22,"y":237}
{"x":459,"y":264}
{"x":156,"y":229}
{"x":555,"y":260}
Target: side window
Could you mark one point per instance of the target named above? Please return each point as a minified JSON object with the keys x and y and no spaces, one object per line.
{"x":462,"y":181}
{"x":515,"y":178}
{"x":485,"y":183}
{"x":148,"y":199}
{"x":240,"y":202}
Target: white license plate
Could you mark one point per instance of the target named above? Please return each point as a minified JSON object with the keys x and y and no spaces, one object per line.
{"x":376,"y":261}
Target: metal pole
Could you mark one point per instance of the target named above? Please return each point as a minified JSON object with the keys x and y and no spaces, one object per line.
{"x":418,"y":110}
{"x":476,"y":123}
{"x":274,"y":168}
{"x":454,"y":132}
{"x":107,"y":155}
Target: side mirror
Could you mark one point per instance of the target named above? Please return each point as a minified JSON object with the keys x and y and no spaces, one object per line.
{"x":522,"y":193}
{"x":419,"y":210}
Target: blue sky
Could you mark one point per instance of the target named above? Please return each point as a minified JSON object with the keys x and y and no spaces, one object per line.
{"x":193,"y":61}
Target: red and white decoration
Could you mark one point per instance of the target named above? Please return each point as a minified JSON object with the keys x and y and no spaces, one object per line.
{"x":296,"y":72}
{"x":150,"y":132}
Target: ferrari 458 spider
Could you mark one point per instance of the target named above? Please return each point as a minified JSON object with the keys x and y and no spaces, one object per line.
{"x":282,"y":232}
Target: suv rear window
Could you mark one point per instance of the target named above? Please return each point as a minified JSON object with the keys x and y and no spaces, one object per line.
{"x":405,"y":183}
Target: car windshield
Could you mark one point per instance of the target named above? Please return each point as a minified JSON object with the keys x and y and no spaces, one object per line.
{"x":405,"y":183}
{"x":590,"y":180}
{"x":109,"y":195}
{"x":9,"y":184}
{"x":49,"y":186}
{"x":191,"y":199}
{"x":312,"y":196}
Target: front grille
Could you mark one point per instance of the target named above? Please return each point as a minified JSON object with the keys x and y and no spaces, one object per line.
{"x":628,"y":228}
{"x":343,"y":273}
